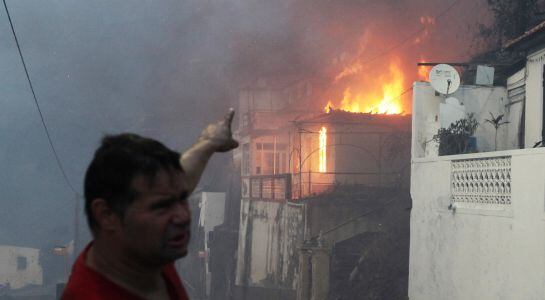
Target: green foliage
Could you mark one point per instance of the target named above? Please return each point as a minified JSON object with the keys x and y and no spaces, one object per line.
{"x":496,"y":122}
{"x":511,"y":18}
{"x":455,"y":138}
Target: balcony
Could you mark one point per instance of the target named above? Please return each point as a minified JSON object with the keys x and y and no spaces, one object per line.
{"x":267,"y":187}
{"x":297,"y":186}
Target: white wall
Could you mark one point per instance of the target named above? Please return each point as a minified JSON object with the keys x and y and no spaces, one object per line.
{"x":478,"y":253}
{"x":269,"y":235}
{"x":514,"y":109}
{"x":534,"y":98}
{"x":212,"y":210}
{"x":212,"y":215}
{"x":425,"y":120}
{"x":241,"y":274}
{"x":32,"y":274}
{"x":476,"y":99}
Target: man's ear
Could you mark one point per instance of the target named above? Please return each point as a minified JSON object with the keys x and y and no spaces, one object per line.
{"x":106,"y":218}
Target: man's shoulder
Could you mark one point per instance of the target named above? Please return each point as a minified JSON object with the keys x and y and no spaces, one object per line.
{"x":87,"y":284}
{"x":83,"y":286}
{"x":173,"y":280}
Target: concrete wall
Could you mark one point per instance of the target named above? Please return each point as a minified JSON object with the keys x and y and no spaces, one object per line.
{"x":371,"y":151}
{"x":534,"y":98}
{"x":212,"y":210}
{"x":269,"y":235}
{"x":327,"y":217}
{"x":478,"y":100}
{"x":212,"y":214}
{"x":244,"y":242}
{"x":516,"y":91}
{"x":478,"y":253}
{"x":15,"y":275}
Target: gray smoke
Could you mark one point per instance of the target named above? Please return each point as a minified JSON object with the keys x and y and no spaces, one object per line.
{"x":165,"y":69}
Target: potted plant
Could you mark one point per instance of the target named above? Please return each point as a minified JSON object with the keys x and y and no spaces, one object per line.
{"x":458,"y":137}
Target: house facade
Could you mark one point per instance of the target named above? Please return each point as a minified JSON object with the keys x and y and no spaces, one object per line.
{"x":296,"y":161}
{"x":20,"y":266}
{"x":477,"y":219}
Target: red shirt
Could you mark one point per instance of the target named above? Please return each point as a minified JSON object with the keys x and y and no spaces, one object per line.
{"x":87,"y":284}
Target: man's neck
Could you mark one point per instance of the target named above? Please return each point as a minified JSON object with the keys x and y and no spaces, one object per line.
{"x":125,"y":271}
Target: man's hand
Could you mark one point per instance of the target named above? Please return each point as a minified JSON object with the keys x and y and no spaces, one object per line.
{"x":219,"y":134}
{"x":216,"y":137}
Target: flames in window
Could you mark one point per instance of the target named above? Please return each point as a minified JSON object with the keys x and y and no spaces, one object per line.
{"x":322,"y":167}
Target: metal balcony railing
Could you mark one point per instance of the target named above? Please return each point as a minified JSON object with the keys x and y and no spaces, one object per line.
{"x":269,"y":187}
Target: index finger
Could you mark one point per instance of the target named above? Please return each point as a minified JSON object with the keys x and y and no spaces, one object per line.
{"x":229,"y":116}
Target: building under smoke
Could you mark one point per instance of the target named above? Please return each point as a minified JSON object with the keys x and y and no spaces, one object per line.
{"x":307,"y":176}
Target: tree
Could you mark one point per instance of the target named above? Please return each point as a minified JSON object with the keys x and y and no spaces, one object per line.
{"x":496,"y":122}
{"x":511,"y":18}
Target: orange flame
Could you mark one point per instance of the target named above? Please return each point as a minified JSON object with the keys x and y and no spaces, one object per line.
{"x":350,"y":70}
{"x":423,"y":71}
{"x":384,"y":99}
{"x":328,"y":107}
{"x":322,"y":167}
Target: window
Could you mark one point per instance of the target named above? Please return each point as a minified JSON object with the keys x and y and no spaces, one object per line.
{"x":246,"y":120}
{"x":21,"y":263}
{"x":268,"y":162}
{"x":246,"y":159}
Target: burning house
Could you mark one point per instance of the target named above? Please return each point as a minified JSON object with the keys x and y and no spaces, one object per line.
{"x":346,"y":148}
{"x":307,"y":175}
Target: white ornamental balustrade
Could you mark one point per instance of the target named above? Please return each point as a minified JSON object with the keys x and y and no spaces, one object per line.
{"x":482,"y":181}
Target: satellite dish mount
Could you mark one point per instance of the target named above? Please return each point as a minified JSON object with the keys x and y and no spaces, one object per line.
{"x":444,"y":79}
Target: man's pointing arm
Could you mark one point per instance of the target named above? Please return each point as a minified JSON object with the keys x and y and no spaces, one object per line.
{"x":216,"y":137}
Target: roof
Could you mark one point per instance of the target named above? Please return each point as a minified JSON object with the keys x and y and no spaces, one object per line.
{"x":525,"y":36}
{"x":344,"y":117}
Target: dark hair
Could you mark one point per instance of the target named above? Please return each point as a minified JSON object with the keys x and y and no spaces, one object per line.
{"x":118,"y":160}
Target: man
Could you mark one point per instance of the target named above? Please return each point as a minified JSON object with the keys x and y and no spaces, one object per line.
{"x":136,"y":193}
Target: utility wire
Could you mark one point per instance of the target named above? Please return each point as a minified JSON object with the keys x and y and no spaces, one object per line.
{"x":411,"y":36}
{"x":405,"y":40}
{"x":38,"y":105}
{"x":369,"y":212}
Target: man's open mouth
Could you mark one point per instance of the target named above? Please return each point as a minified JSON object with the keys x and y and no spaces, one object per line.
{"x":179,"y":240}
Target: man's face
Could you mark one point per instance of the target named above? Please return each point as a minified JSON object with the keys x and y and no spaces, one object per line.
{"x":156,"y":225}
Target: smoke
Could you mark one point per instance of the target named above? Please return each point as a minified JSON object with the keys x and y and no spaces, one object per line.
{"x":347,"y":42}
{"x":166,"y":68}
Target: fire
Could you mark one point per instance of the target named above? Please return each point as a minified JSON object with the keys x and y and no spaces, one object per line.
{"x":328,"y":107}
{"x":423,"y":71}
{"x":379,"y":95}
{"x":348,"y":71}
{"x":322,"y":168}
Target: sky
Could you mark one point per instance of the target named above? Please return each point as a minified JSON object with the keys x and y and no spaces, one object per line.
{"x":165,"y":69}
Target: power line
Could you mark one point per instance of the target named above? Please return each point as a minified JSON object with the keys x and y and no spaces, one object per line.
{"x":408,"y":38}
{"x":329,"y":230}
{"x":403,"y":93}
{"x":37,"y":104}
{"x":405,"y":40}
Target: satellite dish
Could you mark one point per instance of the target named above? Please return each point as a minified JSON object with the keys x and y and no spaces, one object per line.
{"x":444,"y":79}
